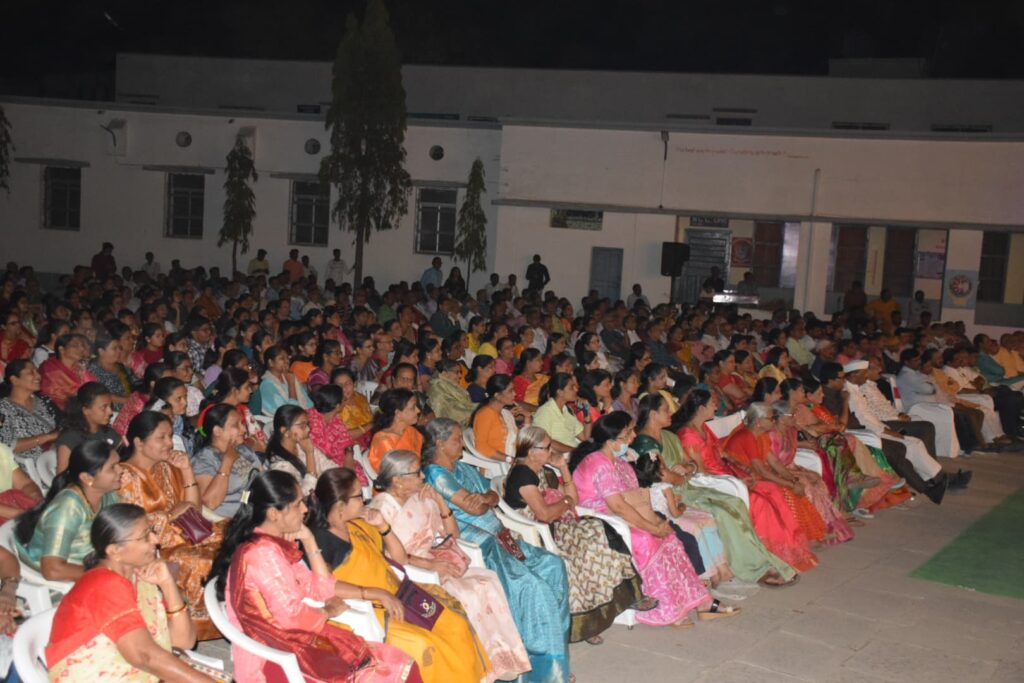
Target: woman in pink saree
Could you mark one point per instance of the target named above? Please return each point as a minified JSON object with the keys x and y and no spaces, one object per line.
{"x":422,"y":520}
{"x":260,"y":575}
{"x":607,"y":483}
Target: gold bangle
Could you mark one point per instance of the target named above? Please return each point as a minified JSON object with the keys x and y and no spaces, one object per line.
{"x":172,"y":612}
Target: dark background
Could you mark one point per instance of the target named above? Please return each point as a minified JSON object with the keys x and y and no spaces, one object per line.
{"x":67,"y":49}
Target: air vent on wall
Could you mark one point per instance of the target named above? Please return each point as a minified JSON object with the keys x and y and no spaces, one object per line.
{"x":437,"y":152}
{"x":183,"y":139}
{"x":312,"y":146}
{"x":733,"y":121}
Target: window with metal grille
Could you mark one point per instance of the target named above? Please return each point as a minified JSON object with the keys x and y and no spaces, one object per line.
{"x":900,"y":258}
{"x":849,"y":243}
{"x":62,"y":208}
{"x":310,"y":213}
{"x":435,"y":220}
{"x":185,"y":198}
{"x":995,"y":254}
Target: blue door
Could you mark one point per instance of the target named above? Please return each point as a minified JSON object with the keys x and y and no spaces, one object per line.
{"x":606,"y":272}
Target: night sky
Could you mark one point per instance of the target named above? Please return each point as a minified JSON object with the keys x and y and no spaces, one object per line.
{"x":67,"y":48}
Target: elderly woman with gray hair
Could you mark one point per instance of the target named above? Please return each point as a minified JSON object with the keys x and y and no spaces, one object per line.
{"x":425,"y":525}
{"x":534,"y":580}
{"x":603,"y":582}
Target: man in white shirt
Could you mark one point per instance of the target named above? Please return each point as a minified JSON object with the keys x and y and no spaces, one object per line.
{"x":151,"y":268}
{"x":923,"y":400}
{"x":337,"y":270}
{"x":637,"y":295}
{"x":879,"y":417}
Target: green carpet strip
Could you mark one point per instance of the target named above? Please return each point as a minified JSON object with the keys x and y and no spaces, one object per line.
{"x":988,"y":556}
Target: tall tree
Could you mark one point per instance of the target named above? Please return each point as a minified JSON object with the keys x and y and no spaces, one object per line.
{"x":367,"y":125}
{"x":471,"y":235}
{"x":6,"y":145}
{"x":239,"y":200}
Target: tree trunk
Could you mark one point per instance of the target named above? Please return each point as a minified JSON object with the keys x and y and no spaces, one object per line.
{"x":234,"y":258}
{"x":469,"y":275}
{"x":360,"y":239}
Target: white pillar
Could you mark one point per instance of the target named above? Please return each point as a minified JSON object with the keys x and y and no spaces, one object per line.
{"x":810,"y":293}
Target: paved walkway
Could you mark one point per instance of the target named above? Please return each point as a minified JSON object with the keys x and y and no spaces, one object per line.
{"x":857,"y":618}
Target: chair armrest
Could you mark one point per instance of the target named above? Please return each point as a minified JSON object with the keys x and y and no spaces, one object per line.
{"x":476,"y":556}
{"x":615,"y":522}
{"x":420,"y":575}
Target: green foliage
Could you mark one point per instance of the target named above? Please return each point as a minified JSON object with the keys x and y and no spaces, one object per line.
{"x":367,"y":121}
{"x":239,"y":200}
{"x":6,"y":147}
{"x":471,"y":229}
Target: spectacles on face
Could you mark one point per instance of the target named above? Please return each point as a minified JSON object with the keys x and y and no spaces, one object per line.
{"x":150,"y":531}
{"x":357,"y":496}
{"x":544,"y":447}
{"x":414,"y":473}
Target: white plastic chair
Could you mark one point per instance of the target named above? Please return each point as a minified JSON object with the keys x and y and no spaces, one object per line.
{"x":533,"y":532}
{"x":42,"y":469}
{"x":476,"y":556}
{"x":809,"y":460}
{"x":723,"y":426}
{"x":471,"y":456}
{"x":367,"y":389}
{"x":627,"y":618}
{"x":33,"y":587}
{"x":867,"y":438}
{"x":724,"y":484}
{"x":362,"y":457}
{"x":219,"y":616}
{"x":30,"y":645}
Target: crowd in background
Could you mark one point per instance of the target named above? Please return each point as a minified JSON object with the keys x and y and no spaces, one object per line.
{"x":294,"y":438}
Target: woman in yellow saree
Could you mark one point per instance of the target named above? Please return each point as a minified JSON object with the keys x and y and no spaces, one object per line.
{"x":353,"y":540}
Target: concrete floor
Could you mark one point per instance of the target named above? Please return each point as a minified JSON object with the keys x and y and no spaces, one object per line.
{"x":858,"y":617}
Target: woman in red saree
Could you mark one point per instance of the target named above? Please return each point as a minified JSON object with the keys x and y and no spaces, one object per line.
{"x":773,"y":519}
{"x":259,"y":571}
{"x":64,"y":372}
{"x":783,"y":442}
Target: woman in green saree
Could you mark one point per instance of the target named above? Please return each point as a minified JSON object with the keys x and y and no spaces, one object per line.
{"x":748,"y":558}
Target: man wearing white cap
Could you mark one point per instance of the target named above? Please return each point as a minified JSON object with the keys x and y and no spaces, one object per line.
{"x":881,"y":418}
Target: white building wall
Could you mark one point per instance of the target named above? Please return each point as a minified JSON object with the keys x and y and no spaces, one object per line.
{"x":125,"y":204}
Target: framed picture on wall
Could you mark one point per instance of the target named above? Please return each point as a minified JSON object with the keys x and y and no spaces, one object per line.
{"x":742,"y":253}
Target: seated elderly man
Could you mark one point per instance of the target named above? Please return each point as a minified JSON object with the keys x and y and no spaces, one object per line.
{"x":882,"y":419}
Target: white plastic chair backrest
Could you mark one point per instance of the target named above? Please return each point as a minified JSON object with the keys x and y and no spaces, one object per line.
{"x":45,"y":466}
{"x":362,"y":457}
{"x":33,"y":587}
{"x":219,"y":617}
{"x":498,"y":484}
{"x":723,"y":426}
{"x":476,"y":556}
{"x":808,"y":459}
{"x":30,"y":645}
{"x":367,"y":389}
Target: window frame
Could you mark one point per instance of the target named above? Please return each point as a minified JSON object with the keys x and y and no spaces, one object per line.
{"x":899,"y":273}
{"x":71,"y":188}
{"x":321,"y":201}
{"x":440,"y":207}
{"x":189,"y":194}
{"x":854,"y":268}
{"x":993,"y":266}
{"x":765,"y":247}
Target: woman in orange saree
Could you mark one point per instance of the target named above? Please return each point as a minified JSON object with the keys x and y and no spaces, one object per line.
{"x":161,"y":482}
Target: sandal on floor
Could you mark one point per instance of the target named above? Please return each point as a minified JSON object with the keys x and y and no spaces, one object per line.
{"x":645,"y":604}
{"x":718,"y":611}
{"x":594,"y":640}
{"x":684,"y":624}
{"x":776,"y":581}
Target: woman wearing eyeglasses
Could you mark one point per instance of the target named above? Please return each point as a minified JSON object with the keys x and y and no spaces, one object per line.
{"x":603,"y":583}
{"x":424,"y":524}
{"x":123,"y":616}
{"x":356,"y":543}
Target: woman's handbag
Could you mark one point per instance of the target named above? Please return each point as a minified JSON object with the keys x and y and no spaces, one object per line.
{"x":421,"y":608}
{"x":193,"y":526}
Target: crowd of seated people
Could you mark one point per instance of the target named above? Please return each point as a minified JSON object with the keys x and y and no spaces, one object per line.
{"x":290,"y":439}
